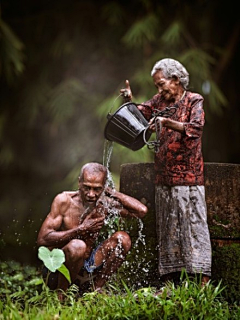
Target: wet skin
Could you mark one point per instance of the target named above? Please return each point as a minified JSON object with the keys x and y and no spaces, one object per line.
{"x":76,"y":219}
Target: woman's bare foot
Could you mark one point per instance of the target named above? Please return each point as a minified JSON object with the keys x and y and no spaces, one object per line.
{"x":205,"y":280}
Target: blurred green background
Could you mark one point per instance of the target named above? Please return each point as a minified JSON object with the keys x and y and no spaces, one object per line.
{"x":62,"y":64}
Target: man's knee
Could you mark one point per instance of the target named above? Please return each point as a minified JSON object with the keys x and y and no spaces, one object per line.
{"x":75,"y":249}
{"x":123,"y":240}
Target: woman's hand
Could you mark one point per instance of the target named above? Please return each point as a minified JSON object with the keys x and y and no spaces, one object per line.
{"x":157,"y":121}
{"x":126,"y":92}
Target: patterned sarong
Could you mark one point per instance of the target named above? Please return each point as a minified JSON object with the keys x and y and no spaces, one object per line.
{"x":182,"y":230}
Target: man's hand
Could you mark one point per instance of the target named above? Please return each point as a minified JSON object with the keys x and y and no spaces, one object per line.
{"x":92,"y":225}
{"x":126,"y":92}
{"x":109,"y":192}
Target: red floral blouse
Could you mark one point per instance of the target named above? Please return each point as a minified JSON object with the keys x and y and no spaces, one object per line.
{"x":179,"y":160}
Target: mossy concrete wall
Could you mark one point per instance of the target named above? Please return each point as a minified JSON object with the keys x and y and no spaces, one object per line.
{"x":222,"y":183}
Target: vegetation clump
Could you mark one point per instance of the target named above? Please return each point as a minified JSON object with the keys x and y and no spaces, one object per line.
{"x":24,"y":295}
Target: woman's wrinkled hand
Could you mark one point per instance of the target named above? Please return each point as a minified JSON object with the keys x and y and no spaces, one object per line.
{"x":156,"y":121}
{"x":126,"y":93}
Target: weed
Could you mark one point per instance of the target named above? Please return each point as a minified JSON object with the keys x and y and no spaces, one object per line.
{"x":24,"y":295}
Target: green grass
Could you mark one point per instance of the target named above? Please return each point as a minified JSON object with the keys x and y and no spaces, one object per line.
{"x":23,"y":295}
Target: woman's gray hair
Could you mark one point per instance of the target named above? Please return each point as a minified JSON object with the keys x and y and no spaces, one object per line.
{"x":172,"y":68}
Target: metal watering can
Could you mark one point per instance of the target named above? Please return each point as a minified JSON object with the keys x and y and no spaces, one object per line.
{"x":128,"y":127}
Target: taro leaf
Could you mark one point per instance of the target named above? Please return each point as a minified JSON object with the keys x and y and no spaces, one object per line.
{"x":64,"y":270}
{"x":51,"y":259}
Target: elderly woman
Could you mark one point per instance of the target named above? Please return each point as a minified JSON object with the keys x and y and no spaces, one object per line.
{"x":181,"y":215}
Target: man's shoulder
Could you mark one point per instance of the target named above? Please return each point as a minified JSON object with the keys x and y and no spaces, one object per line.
{"x":65,"y":196}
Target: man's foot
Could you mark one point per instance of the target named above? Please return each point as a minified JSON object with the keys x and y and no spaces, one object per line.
{"x":162,"y":292}
{"x":99,"y":290}
{"x":61,"y":295}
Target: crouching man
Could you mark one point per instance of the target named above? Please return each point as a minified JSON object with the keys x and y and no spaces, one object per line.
{"x":75,"y":221}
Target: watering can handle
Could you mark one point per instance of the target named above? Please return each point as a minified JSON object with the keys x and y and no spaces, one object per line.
{"x":154,"y":144}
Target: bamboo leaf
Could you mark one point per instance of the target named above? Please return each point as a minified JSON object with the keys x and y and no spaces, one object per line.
{"x":172,"y":34}
{"x":11,"y":53}
{"x":142,"y":31}
{"x":113,"y":12}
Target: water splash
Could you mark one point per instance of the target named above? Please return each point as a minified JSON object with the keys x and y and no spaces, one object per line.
{"x":141,"y":236}
{"x":107,"y":154}
{"x":113,"y":223}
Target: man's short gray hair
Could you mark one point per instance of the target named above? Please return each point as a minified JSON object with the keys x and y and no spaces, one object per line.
{"x":94,"y":167}
{"x":172,"y":68}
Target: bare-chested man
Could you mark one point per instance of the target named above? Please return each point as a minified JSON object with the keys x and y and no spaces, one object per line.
{"x":75,"y":221}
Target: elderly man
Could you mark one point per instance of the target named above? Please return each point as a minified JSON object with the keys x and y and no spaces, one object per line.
{"x":75,"y":221}
{"x":181,"y":215}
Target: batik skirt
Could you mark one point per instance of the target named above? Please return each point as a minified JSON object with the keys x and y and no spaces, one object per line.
{"x":182,"y":230}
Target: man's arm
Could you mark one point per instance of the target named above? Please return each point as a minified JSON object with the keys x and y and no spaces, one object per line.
{"x":129,"y":206}
{"x":51,"y":235}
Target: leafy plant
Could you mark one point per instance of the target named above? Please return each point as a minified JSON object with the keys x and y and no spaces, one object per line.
{"x":18,"y":282}
{"x":118,"y":301}
{"x":53,"y":260}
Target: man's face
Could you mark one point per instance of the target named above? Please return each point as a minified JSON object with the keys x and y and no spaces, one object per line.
{"x":168,"y":88}
{"x":91,"y":187}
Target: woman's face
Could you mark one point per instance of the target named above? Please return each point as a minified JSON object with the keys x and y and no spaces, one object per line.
{"x":167,"y":88}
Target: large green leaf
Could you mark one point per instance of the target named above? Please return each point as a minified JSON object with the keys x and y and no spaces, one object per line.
{"x":52,"y":260}
{"x":64,"y":270}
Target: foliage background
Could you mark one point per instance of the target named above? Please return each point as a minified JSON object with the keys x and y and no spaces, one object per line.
{"x":62,"y":64}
